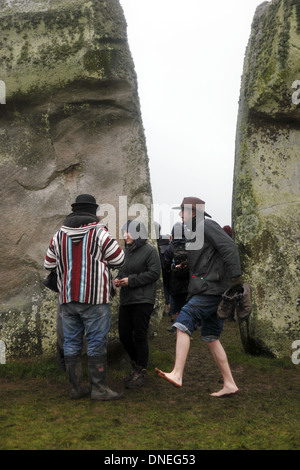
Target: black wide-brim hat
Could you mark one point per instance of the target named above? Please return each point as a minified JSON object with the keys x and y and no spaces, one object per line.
{"x":85,"y":203}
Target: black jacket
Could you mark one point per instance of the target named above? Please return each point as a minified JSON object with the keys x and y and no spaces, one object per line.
{"x":142,"y":267}
{"x":213,"y":265}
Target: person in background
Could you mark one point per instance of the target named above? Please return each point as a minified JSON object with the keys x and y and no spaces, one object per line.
{"x":228,"y":230}
{"x":177,"y":271}
{"x":137,"y":280}
{"x":82,"y":252}
{"x":163,"y":242}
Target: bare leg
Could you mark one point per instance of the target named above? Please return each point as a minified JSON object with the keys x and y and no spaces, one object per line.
{"x":219,"y":354}
{"x":182,"y":349}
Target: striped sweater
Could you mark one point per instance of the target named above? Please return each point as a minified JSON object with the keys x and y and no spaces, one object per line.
{"x":81,"y":257}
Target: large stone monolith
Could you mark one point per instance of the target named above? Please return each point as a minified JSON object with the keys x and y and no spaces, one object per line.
{"x":266,"y":196}
{"x":71,"y":124}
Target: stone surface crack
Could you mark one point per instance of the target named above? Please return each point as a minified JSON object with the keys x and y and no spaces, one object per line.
{"x":52,"y":177}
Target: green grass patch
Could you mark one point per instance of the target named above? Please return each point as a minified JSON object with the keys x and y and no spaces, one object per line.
{"x":37,"y":414}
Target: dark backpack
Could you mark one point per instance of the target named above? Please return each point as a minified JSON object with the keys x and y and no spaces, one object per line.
{"x":51,"y":281}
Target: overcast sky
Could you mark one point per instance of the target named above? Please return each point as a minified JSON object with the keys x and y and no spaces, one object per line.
{"x":188,"y":57}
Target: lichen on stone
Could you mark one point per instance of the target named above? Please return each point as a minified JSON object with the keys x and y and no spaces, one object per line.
{"x":71,"y":124}
{"x":266,"y":202}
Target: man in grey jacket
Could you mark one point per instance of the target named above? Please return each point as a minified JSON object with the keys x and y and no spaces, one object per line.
{"x":214,"y":267}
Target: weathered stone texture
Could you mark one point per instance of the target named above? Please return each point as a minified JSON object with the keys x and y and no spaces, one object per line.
{"x":266,"y":195}
{"x":71,"y":124}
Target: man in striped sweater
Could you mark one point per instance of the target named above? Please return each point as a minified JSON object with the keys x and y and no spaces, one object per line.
{"x":82,"y":252}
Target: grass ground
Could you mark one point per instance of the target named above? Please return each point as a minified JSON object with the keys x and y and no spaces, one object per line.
{"x":36,"y":413}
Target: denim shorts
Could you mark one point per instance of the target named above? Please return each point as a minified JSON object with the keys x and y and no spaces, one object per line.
{"x":201,"y":310}
{"x":92,"y":320}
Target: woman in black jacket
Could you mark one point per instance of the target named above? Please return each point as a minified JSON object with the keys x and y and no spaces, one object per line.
{"x":137,"y":279}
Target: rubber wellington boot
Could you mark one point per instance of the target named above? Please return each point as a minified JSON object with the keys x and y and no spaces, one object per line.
{"x":60,"y":358}
{"x":74,"y":371}
{"x":97,"y":372}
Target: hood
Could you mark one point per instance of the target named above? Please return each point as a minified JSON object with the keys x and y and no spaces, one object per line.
{"x":78,"y":233}
{"x":78,"y":219}
{"x":136,"y":244}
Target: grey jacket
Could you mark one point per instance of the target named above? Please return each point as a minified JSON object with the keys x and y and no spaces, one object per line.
{"x":142,"y":267}
{"x":212,"y":266}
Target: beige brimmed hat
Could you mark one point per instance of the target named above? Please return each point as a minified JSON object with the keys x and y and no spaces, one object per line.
{"x":192,"y":201}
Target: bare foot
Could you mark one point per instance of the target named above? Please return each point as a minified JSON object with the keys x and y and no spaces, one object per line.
{"x":170,"y":377}
{"x":226,"y":391}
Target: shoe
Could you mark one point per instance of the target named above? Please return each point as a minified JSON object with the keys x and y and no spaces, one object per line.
{"x":243,"y":303}
{"x":227,"y":305}
{"x":138,"y":378}
{"x":130,"y":376}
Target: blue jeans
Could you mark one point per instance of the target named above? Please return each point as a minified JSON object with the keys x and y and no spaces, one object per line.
{"x":93,"y":320}
{"x":201,"y":310}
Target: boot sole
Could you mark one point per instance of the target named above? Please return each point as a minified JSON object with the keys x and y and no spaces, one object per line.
{"x":118,"y":397}
{"x":77,"y":396}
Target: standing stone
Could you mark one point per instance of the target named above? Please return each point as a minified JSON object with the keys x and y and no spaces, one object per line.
{"x":71,"y":124}
{"x":266,"y":195}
